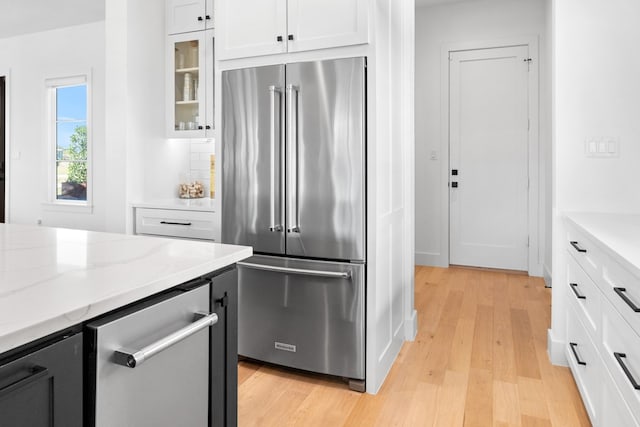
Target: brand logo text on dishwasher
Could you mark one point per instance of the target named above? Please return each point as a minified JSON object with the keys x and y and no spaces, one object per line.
{"x":285,"y":347}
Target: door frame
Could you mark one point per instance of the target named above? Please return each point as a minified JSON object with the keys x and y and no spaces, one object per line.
{"x":6,"y":73}
{"x":535,"y":256}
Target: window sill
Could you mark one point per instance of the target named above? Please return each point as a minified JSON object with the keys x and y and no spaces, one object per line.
{"x":69,"y":207}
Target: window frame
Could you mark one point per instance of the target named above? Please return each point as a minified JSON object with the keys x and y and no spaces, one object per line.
{"x":53,"y":203}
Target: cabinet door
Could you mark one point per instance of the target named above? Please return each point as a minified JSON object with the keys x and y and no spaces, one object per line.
{"x":317,"y":24}
{"x":210,"y":14}
{"x":209,"y":86}
{"x":251,"y":27}
{"x":186,"y":85}
{"x":185,"y":15}
{"x":44,"y":388}
{"x":224,"y":349}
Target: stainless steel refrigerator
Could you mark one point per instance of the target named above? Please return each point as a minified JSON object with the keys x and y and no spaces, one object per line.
{"x":293,"y":187}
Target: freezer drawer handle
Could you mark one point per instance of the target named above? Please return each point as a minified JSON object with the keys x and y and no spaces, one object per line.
{"x":132,"y":359}
{"x":300,"y":271}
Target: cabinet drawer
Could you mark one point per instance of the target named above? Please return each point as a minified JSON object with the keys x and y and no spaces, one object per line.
{"x":584,"y":362}
{"x":177,"y":223}
{"x":621,"y":354}
{"x":585,"y":252}
{"x":586,"y":296}
{"x":622,"y":289}
{"x":615,"y":411}
{"x":44,"y":388}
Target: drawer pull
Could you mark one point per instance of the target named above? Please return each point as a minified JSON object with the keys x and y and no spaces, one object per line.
{"x":577,"y":247}
{"x":35,"y":373}
{"x":175,"y":223}
{"x":619,"y":357}
{"x":625,"y":298}
{"x":573,"y":346}
{"x":574,"y":288}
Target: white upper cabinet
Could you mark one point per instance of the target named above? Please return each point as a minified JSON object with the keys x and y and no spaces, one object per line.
{"x":319,"y":24}
{"x":190,"y":85}
{"x":249,"y":28}
{"x":184,"y":16}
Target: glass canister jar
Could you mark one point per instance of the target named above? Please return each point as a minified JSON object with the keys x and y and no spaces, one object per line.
{"x":190,"y":188}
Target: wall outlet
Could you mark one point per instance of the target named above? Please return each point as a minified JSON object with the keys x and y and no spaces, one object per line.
{"x":602,"y":147}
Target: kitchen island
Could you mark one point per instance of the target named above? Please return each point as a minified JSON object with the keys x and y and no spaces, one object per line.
{"x":54,"y":280}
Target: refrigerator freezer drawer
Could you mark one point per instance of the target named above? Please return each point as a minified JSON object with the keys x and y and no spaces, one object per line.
{"x":303,"y":314}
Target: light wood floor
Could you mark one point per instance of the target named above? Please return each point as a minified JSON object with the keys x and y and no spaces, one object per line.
{"x":479,"y":360}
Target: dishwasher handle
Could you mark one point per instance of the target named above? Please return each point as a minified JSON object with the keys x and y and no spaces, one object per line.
{"x":132,"y":359}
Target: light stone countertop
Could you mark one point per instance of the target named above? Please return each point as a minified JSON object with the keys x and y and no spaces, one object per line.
{"x":54,"y":278}
{"x":618,"y":233}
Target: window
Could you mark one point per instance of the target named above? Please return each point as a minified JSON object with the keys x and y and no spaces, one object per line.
{"x":69,"y":139}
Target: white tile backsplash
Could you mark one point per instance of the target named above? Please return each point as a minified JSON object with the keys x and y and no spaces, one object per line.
{"x":200,"y":162}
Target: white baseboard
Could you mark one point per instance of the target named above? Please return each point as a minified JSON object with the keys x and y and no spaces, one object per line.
{"x":430,"y":259}
{"x":547,"y":276}
{"x":555,"y":348}
{"x":411,"y":326}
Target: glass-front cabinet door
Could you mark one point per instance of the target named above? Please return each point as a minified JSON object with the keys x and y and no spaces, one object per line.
{"x":190,"y":79}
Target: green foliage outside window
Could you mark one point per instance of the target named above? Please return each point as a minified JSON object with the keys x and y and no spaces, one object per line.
{"x":78,"y":151}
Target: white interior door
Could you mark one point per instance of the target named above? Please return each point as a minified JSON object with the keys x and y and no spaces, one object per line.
{"x":488,"y":174}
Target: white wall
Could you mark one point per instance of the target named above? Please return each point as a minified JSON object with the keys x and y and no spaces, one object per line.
{"x":596,"y":69}
{"x":30,"y":60}
{"x":144,"y":165}
{"x":161,"y":160}
{"x":436,"y":27}
{"x":546,"y":121}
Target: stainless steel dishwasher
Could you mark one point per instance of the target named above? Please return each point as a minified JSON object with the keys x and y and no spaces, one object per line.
{"x":149,"y":363}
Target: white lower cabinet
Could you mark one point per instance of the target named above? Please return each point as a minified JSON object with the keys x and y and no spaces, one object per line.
{"x":621,"y":354}
{"x":177,"y":223}
{"x":585,"y":296}
{"x":585,"y":364}
{"x":603,"y":344}
{"x":615,"y":412}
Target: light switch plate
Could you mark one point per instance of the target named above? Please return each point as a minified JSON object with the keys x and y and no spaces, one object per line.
{"x":602,"y":147}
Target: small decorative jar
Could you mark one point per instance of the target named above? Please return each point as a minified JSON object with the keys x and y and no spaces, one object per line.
{"x":190,"y":188}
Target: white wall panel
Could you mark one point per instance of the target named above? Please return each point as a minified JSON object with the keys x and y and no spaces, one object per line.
{"x":31,"y":59}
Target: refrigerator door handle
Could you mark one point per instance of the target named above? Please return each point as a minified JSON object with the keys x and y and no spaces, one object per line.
{"x":292,"y":164}
{"x":274,"y":137}
{"x":300,"y":271}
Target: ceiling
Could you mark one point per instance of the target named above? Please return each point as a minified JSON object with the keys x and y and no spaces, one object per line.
{"x":30,"y":16}
{"x":434,"y":2}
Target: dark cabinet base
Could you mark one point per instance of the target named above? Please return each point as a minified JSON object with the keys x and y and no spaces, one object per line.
{"x":224,"y":349}
{"x":44,"y":388}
